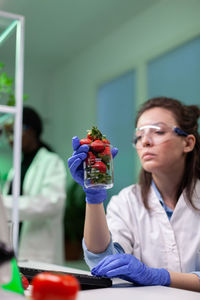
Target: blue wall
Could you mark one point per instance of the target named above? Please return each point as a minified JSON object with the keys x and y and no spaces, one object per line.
{"x":115,"y":118}
{"x":177,"y":74}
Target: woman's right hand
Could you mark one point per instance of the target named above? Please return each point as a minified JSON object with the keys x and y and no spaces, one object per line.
{"x":75,"y":164}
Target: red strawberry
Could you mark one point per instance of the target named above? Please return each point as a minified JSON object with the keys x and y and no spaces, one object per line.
{"x":100,"y":166}
{"x":90,"y":158}
{"x":106,"y":141}
{"x":94,"y":134}
{"x":97,"y":146}
{"x":106,"y":151}
{"x":89,"y":136}
{"x":25,"y":282}
{"x":105,"y":155}
{"x":85,"y":142}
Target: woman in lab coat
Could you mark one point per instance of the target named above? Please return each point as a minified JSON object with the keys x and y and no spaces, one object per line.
{"x":151,"y":234}
{"x":42,"y":195}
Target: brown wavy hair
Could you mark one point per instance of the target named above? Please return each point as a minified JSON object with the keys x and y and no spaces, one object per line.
{"x":186,"y":117}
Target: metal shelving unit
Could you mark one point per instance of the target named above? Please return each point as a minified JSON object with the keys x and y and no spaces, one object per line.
{"x":15,"y":23}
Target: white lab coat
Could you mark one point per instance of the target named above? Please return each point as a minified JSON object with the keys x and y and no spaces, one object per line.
{"x":153,"y":238}
{"x":41,"y":208}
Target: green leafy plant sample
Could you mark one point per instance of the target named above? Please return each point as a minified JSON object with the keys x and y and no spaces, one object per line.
{"x":6,"y":88}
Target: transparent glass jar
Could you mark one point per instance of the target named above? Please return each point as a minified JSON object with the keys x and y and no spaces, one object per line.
{"x":98,"y":167}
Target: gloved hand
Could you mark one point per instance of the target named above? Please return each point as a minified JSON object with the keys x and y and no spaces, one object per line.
{"x":128,"y":267}
{"x":75,"y":164}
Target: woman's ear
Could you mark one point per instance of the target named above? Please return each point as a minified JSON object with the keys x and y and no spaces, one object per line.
{"x":190,"y":141}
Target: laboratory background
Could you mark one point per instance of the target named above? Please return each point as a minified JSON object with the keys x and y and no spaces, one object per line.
{"x":92,"y":63}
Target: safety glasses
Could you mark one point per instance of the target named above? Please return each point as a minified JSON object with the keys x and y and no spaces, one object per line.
{"x":155,"y":134}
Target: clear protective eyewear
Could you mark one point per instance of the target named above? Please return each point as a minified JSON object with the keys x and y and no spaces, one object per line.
{"x":155,"y":134}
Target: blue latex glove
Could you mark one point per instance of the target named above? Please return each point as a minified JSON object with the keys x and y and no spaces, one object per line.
{"x":128,"y":267}
{"x":75,"y":164}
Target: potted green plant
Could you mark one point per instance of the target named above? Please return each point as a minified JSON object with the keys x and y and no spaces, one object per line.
{"x":6,"y":87}
{"x":7,"y":95}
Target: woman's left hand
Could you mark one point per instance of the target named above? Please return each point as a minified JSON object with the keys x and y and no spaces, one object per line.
{"x":128,"y":267}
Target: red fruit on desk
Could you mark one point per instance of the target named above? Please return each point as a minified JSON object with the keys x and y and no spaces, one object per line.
{"x":51,"y":286}
{"x":25,"y":282}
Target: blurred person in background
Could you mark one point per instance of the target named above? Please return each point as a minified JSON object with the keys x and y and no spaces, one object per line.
{"x":42,"y":194}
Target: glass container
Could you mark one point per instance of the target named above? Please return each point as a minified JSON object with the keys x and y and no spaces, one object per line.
{"x":98,"y":167}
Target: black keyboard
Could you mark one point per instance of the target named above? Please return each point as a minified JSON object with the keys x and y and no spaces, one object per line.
{"x":87,"y":282}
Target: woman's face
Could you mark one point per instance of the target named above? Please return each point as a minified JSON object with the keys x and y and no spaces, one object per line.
{"x":160,"y":152}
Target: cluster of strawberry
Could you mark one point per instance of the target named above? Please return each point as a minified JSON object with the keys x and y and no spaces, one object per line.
{"x":97,"y":163}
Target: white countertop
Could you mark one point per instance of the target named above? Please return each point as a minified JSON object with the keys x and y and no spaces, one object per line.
{"x":121,"y":290}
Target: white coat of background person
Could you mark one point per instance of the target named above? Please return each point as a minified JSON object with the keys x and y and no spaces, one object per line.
{"x":42,"y":195}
